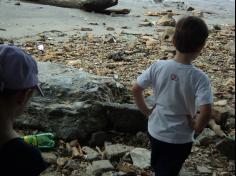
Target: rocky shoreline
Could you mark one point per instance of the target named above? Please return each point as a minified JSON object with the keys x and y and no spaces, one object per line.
{"x":93,"y":83}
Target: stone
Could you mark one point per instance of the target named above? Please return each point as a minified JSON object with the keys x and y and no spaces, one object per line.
{"x":108,"y":174}
{"x":123,"y":116}
{"x":221,"y":103}
{"x":18,"y":3}
{"x":120,"y":173}
{"x":72,"y":165}
{"x":190,"y":9}
{"x":230,"y":123}
{"x":167,"y":20}
{"x":168,"y":34}
{"x":198,"y":13}
{"x":110,"y":29}
{"x":124,"y":27}
{"x":232,"y":166}
{"x":203,"y":170}
{"x":74,"y":62}
{"x":151,"y":43}
{"x":168,"y":49}
{"x":142,"y":137}
{"x":65,"y":172}
{"x":86,"y":29}
{"x":74,"y":143}
{"x":75,"y":173}
{"x":224,"y":174}
{"x":227,"y":147}
{"x":99,"y":167}
{"x":98,"y":138}
{"x":116,"y":151}
{"x":50,"y":158}
{"x":109,"y":38}
{"x":230,"y":46}
{"x":186,"y":172}
{"x":217,"y":27}
{"x":117,"y":56}
{"x":146,"y":24}
{"x":128,"y":168}
{"x":62,"y":161}
{"x":222,"y":114}
{"x":206,"y":137}
{"x":90,"y":154}
{"x":92,"y":38}
{"x":88,"y":5}
{"x":50,"y":173}
{"x":141,"y":158}
{"x":93,"y":24}
{"x":127,"y":158}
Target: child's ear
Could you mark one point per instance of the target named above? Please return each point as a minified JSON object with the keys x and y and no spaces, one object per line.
{"x":24,"y":96}
{"x":199,"y":49}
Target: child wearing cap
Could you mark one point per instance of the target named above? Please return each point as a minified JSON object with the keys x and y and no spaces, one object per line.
{"x":18,"y":81}
{"x":179,"y":90}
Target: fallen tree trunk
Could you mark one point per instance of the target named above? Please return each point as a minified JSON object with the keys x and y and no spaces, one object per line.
{"x":88,"y":5}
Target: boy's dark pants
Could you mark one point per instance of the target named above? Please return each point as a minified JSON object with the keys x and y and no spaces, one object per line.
{"x":168,"y":159}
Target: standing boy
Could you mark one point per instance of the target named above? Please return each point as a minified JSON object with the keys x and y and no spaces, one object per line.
{"x":178,"y":87}
{"x":18,"y":81}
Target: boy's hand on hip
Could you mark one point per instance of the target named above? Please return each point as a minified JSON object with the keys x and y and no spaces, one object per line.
{"x":149,"y":111}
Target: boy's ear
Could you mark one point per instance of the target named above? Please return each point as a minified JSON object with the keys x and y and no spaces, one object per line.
{"x":199,"y":49}
{"x":23,"y":97}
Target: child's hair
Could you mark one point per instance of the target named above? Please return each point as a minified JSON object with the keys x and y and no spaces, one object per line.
{"x":190,"y":34}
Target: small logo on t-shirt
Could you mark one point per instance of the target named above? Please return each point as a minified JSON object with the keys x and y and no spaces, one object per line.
{"x":174,"y":77}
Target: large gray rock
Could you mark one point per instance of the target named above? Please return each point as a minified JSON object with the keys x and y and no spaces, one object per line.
{"x":99,"y":167}
{"x":89,"y":5}
{"x":141,"y":158}
{"x":186,"y":172}
{"x":167,"y":20}
{"x":60,"y":82}
{"x":77,"y":104}
{"x":50,"y":158}
{"x":123,"y":116}
{"x":116,"y":151}
{"x":91,"y":154}
{"x":206,"y":137}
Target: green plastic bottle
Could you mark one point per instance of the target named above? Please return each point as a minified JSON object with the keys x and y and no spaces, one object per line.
{"x":41,"y":141}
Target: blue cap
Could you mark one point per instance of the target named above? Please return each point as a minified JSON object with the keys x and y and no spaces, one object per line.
{"x":18,"y":70}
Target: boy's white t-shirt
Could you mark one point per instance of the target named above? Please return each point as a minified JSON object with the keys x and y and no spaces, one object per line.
{"x":178,"y":90}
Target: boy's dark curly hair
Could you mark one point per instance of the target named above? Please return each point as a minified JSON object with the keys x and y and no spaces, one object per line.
{"x":190,"y":35}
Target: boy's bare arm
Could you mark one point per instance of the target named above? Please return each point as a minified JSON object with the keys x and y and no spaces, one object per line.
{"x":140,"y":101}
{"x":202,"y":119}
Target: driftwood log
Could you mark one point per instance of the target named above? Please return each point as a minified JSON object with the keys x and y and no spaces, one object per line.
{"x":88,"y":5}
{"x":116,"y":11}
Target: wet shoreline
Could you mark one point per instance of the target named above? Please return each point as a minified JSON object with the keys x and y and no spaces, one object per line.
{"x":30,"y":19}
